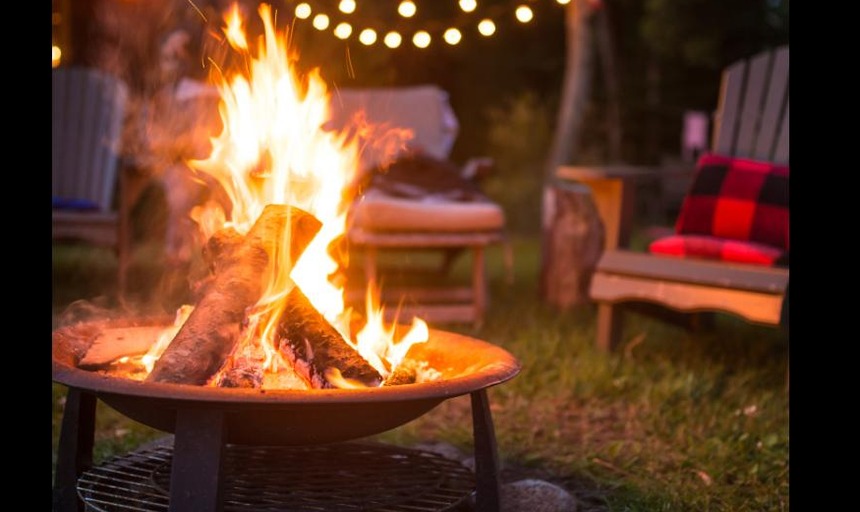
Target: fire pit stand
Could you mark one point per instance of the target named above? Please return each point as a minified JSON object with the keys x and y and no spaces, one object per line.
{"x":200,"y":448}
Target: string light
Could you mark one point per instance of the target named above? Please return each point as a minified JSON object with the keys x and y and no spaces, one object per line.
{"x":321,"y":21}
{"x":452,"y":36}
{"x":56,"y":55}
{"x":486,"y":27}
{"x":524,"y":13}
{"x":367,"y":36}
{"x":347,"y":6}
{"x":343,"y":30}
{"x":407,"y":9}
{"x":392,"y":39}
{"x":421,"y":39}
{"x":468,"y":5}
{"x":303,"y":11}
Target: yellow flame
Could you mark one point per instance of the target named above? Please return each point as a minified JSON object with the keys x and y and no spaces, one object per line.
{"x":234,"y":30}
{"x":165,"y":337}
{"x":273,"y":150}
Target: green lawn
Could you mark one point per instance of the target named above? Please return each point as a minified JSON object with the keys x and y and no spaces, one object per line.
{"x":675,"y":420}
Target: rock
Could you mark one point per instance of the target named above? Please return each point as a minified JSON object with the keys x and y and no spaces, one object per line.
{"x":536,"y":496}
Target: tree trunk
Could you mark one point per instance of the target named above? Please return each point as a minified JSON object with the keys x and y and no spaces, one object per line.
{"x":578,"y":71}
{"x":571,"y":226}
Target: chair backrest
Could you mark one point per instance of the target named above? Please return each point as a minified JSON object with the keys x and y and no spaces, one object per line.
{"x":423,"y":109}
{"x":87,"y":114}
{"x":752,"y":114}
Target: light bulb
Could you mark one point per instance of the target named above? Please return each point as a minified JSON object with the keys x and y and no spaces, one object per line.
{"x":347,"y":6}
{"x":524,"y":13}
{"x":452,"y":36}
{"x":303,"y":11}
{"x":321,"y":21}
{"x":343,"y":30}
{"x":392,"y":40}
{"x":486,"y":27}
{"x":421,"y":39}
{"x":406,"y":9}
{"x":367,"y":36}
{"x":468,"y":5}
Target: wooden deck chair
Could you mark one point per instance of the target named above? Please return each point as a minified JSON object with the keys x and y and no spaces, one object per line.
{"x":87,"y":117}
{"x":396,"y":220}
{"x":752,"y":124}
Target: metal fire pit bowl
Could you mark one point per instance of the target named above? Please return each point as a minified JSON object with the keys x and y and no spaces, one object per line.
{"x":293,"y":417}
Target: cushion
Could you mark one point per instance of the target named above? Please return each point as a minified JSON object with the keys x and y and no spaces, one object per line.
{"x":378,"y":211}
{"x":73,"y":204}
{"x":699,"y":246}
{"x":737,"y":199}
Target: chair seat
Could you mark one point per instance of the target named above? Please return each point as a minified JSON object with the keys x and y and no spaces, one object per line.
{"x":377,"y":211}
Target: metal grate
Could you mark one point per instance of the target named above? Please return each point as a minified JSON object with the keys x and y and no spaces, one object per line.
{"x":336,"y":477}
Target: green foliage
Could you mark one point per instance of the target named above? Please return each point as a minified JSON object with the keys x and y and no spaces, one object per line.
{"x":518,"y":137}
{"x":712,"y":34}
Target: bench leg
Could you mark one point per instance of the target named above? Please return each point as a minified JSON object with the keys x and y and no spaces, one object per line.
{"x":609,"y":326}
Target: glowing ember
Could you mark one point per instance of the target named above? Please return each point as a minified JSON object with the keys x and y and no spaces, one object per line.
{"x":273,"y":150}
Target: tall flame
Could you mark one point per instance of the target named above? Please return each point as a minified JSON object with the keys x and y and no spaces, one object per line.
{"x":273,"y":150}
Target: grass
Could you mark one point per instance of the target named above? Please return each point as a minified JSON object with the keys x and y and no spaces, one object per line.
{"x":674,"y":420}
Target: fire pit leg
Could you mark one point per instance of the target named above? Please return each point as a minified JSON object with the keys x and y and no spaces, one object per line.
{"x":75,"y":450}
{"x":486,"y":456}
{"x":198,"y":447}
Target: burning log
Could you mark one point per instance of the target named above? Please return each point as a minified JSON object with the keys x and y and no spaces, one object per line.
{"x":237,"y":264}
{"x":316,"y":348}
{"x":245,"y":372}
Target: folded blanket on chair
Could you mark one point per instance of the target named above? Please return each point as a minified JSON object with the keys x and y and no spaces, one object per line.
{"x":420,"y":176}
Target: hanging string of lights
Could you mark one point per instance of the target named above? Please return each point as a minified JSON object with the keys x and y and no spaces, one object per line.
{"x":344,"y":22}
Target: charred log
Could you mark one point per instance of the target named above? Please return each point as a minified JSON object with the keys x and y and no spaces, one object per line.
{"x":243,"y":373}
{"x":316,"y":348}
{"x":237,"y":263}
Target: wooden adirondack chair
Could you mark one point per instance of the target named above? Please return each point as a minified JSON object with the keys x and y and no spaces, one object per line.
{"x":752,"y":121}
{"x":87,"y":115}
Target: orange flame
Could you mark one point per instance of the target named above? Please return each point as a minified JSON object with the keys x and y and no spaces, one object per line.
{"x":273,"y":150}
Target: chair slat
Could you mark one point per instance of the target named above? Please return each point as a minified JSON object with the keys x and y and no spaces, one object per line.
{"x":780,"y":154}
{"x":88,"y":109}
{"x":775,"y":102}
{"x":757,"y":85}
{"x":726,"y":118}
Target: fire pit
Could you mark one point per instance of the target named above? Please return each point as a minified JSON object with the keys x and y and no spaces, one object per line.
{"x":268,"y":355}
{"x":206,"y":419}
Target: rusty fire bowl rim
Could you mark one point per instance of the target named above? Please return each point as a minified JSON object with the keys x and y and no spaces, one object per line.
{"x":491,"y":365}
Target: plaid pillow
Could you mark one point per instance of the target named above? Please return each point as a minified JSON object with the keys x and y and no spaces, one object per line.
{"x":699,"y":246}
{"x":737,"y":199}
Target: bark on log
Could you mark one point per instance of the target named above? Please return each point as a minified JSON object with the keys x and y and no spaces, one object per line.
{"x":237,"y":264}
{"x":245,"y":372}
{"x":314,"y":346}
{"x":573,"y":239}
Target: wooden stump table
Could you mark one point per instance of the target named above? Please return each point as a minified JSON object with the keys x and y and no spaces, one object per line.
{"x":586,"y":210}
